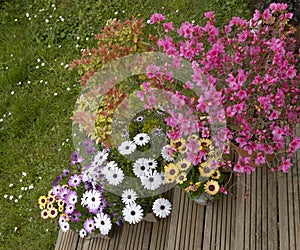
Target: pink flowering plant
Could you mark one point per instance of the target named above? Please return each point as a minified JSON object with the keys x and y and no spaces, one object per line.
{"x":249,"y":68}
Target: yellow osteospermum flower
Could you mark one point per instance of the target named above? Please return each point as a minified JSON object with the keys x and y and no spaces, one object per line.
{"x":52,"y":213}
{"x":181,"y":178}
{"x":216,"y":174}
{"x":178,"y":144}
{"x":171,"y":172}
{"x":183,"y":165}
{"x":42,"y":201}
{"x":193,"y":187}
{"x":211,"y":187}
{"x":204,"y":143}
{"x":206,"y":171}
{"x":44,"y":214}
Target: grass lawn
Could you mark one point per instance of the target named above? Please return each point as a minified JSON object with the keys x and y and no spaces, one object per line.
{"x":38,"y":39}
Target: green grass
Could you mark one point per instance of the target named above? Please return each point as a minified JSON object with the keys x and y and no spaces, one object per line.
{"x":38,"y":94}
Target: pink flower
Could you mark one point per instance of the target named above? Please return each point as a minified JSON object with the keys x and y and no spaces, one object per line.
{"x":294,"y":145}
{"x":256,"y":15}
{"x":210,"y":15}
{"x":168,"y":26}
{"x":286,"y":165}
{"x":156,"y":18}
{"x":274,"y":115}
{"x":267,"y":15}
{"x":260,"y":159}
{"x":223,"y":190}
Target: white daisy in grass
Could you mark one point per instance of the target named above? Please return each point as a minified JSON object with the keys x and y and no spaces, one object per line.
{"x":93,"y":199}
{"x":114,"y":175}
{"x":132,"y":213}
{"x":161,"y":207}
{"x":100,"y":158}
{"x":166,"y":153}
{"x":82,"y":233}
{"x":129,"y":196}
{"x":141,"y":168}
{"x":103,"y":223}
{"x":151,"y":181}
{"x":65,"y":227}
{"x":141,"y":139}
{"x":151,"y":163}
{"x":126,"y":148}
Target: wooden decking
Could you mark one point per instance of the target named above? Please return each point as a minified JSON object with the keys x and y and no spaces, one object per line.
{"x":262,"y":212}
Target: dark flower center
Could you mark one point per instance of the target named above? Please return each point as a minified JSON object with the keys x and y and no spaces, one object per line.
{"x":102,"y":222}
{"x":129,"y":197}
{"x":211,"y":187}
{"x":172,"y":171}
{"x":127,"y":147}
{"x":93,"y":199}
{"x":162,"y":207}
{"x":132,"y":213}
{"x":143,"y":168}
{"x":141,"y":138}
{"x":183,"y":165}
{"x":115,"y":176}
{"x":150,"y":163}
{"x":151,"y":179}
{"x":178,"y":144}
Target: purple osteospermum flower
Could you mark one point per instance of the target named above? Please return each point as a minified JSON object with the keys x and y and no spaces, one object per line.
{"x":88,"y":147}
{"x":56,"y":189}
{"x":69,"y":209}
{"x":62,"y":219}
{"x":57,"y":180}
{"x":93,"y":210}
{"x":76,"y":158}
{"x":119,"y":222}
{"x":89,"y":225}
{"x":75,"y":217}
{"x":71,"y":197}
{"x":63,"y":193}
{"x":74,"y":180}
{"x":66,"y":172}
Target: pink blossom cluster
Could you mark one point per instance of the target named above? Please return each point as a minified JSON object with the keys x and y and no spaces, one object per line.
{"x":249,"y":69}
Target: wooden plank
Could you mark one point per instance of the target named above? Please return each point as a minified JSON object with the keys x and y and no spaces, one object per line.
{"x":272,"y":211}
{"x":247,"y":219}
{"x":208,"y":227}
{"x":291,"y":212}
{"x":240,"y":214}
{"x":219,"y":214}
{"x":253,"y":211}
{"x":214,"y":225}
{"x":264,"y":203}
{"x":283,"y":212}
{"x":123,"y":237}
{"x":296,"y":190}
{"x":195,"y":221}
{"x":231,"y":233}
{"x":183,"y":233}
{"x":199,"y":227}
{"x":229,"y":236}
{"x":258,"y":210}
{"x":146,"y":241}
{"x":59,"y":240}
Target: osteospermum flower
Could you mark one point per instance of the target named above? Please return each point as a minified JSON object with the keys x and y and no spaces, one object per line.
{"x":44,"y":214}
{"x":42,"y":201}
{"x":204,"y":143}
{"x":184,"y":165}
{"x":171,"y":172}
{"x":216,"y":174}
{"x":151,"y":163}
{"x":126,"y":148}
{"x":65,"y":227}
{"x":51,"y":199}
{"x":71,"y":197}
{"x":161,"y":207}
{"x":52,"y":213}
{"x":62,"y":219}
{"x":114,"y":176}
{"x":140,"y":167}
{"x":141,"y":139}
{"x":211,"y":187}
{"x":206,"y":171}
{"x":129,"y":196}
{"x":74,"y":180}
{"x":167,"y":153}
{"x":82,"y":233}
{"x":181,"y":178}
{"x":103,"y":223}
{"x":93,"y":199}
{"x":100,"y":158}
{"x":70,"y":208}
{"x":179,"y":144}
{"x":89,"y":225}
{"x":132,"y":213}
{"x":152,"y":181}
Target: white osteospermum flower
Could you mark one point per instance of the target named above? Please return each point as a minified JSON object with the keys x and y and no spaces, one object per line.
{"x":161,"y":207}
{"x":140,"y":167}
{"x":103,"y":223}
{"x":99,"y":158}
{"x":114,"y":175}
{"x":166,"y":154}
{"x":65,"y":227}
{"x":152,"y":181}
{"x":151,"y":163}
{"x":129,"y":196}
{"x":133,"y":213}
{"x":93,"y":199}
{"x":82,"y":233}
{"x":126,"y":147}
{"x":141,"y":139}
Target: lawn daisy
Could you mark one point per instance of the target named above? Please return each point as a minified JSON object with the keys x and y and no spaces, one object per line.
{"x":89,"y":225}
{"x":141,"y":139}
{"x":152,"y":181}
{"x":114,"y":176}
{"x":103,"y":223}
{"x":82,"y":233}
{"x":126,"y":148}
{"x":129,"y":196}
{"x":167,"y":153}
{"x":211,"y":187}
{"x":74,"y":180}
{"x":132,"y":213}
{"x":162,"y":207}
{"x":140,"y":167}
{"x":93,"y":199}
{"x":100,"y":158}
{"x":44,"y":214}
{"x":151,"y":163}
{"x":52,"y":213}
{"x":42,"y":201}
{"x":65,"y":227}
